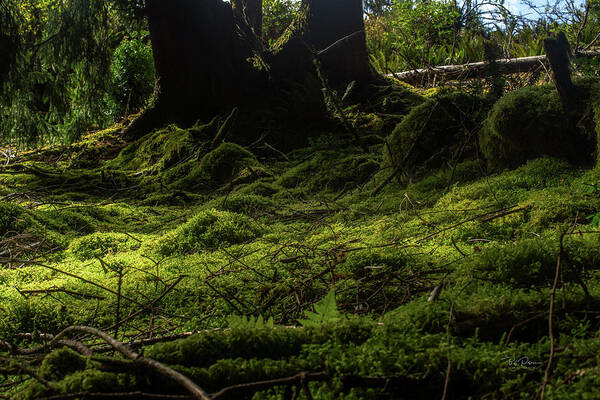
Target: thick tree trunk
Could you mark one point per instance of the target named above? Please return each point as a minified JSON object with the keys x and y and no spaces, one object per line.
{"x":334,"y":32}
{"x":208,"y":61}
{"x":200,"y":62}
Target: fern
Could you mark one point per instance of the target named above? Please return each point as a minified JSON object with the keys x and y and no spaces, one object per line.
{"x":325,"y":311}
{"x":239,"y":321}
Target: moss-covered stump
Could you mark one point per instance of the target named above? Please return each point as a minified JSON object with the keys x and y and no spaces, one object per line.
{"x":440,"y":130}
{"x":532,"y":122}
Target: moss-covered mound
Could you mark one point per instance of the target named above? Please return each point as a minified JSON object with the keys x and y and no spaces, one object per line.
{"x":9,"y":214}
{"x":164,"y":147}
{"x":441,"y":129}
{"x":100,"y":244}
{"x":330,"y":170}
{"x":227,"y":163}
{"x":209,"y":229}
{"x":532,"y":122}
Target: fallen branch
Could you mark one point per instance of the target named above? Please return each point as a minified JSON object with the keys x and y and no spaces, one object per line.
{"x":479,"y":69}
{"x":141,"y":361}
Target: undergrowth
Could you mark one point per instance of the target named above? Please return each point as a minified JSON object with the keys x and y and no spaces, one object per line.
{"x":290,"y":264}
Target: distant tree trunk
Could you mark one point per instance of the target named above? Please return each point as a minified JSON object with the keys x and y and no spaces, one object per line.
{"x":251,"y":11}
{"x":208,"y":61}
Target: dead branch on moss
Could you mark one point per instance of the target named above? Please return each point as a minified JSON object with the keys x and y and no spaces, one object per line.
{"x":141,"y":361}
{"x":479,"y":69}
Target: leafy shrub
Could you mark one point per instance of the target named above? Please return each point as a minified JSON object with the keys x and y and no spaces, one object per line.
{"x":132,"y":72}
{"x":277,"y":16}
{"x":210,"y":228}
{"x":100,"y":244}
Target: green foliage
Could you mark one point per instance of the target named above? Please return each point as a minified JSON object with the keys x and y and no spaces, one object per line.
{"x":531,"y":122}
{"x":210,"y":229}
{"x":277,"y":16}
{"x":241,"y":322}
{"x":132,"y":72}
{"x":59,"y":72}
{"x":325,"y":311}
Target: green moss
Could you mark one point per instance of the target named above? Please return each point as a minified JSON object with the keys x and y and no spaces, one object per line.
{"x":532,"y":122}
{"x":532,"y":262}
{"x":60,"y":363}
{"x":260,"y":188}
{"x":249,"y":204}
{"x":441,"y":129}
{"x":207,"y":348}
{"x":223,"y":164}
{"x":330,"y":171}
{"x":161,"y":149}
{"x":66,"y":221}
{"x":9,"y":214}
{"x":100,"y":244}
{"x":210,"y":229}
{"x":94,"y":381}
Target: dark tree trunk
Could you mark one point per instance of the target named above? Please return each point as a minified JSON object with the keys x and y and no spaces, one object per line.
{"x":558,"y":51}
{"x":208,"y":60}
{"x":251,"y":11}
{"x":334,"y":31}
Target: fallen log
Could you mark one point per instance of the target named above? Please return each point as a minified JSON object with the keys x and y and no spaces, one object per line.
{"x":479,"y":69}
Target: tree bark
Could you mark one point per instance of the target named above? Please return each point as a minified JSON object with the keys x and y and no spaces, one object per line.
{"x":333,"y":31}
{"x":251,"y":11}
{"x":208,"y":60}
{"x":559,"y":55}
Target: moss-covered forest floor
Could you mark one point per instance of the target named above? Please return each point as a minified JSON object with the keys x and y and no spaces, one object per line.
{"x":441,"y":279}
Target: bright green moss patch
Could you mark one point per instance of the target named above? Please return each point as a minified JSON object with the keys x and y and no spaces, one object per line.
{"x":249,"y":204}
{"x":158,"y":150}
{"x":222,"y":165}
{"x":210,"y":229}
{"x":100,"y":244}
